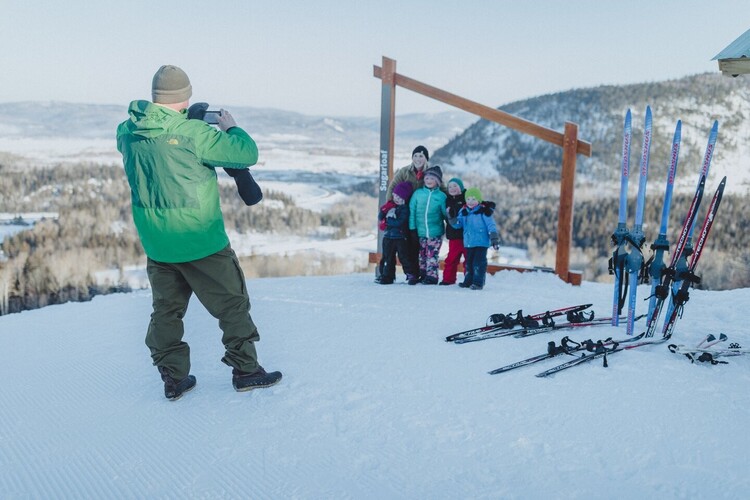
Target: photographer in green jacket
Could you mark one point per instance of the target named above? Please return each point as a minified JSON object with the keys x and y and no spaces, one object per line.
{"x":169,"y":161}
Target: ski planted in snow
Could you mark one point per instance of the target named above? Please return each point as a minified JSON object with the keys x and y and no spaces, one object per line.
{"x":668,"y":275}
{"x":656,"y":265}
{"x":682,"y":266}
{"x":636,"y":238}
{"x":619,"y":257}
{"x":690,"y":278}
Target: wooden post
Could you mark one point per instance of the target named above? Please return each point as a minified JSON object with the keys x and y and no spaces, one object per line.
{"x":387,"y":133}
{"x":565,"y":214}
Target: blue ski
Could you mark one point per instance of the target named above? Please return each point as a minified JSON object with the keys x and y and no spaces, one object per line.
{"x":617,"y":263}
{"x":636,"y":238}
{"x":661,"y":244}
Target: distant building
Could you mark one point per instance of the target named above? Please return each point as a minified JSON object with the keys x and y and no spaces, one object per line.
{"x":734,"y":60}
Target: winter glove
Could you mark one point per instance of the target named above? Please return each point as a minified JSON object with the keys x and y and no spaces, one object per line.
{"x":197,"y":111}
{"x":495,"y":241}
{"x":391,"y":213}
{"x":226,"y":120}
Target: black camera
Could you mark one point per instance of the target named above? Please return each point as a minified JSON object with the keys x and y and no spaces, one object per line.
{"x":199,"y":111}
{"x":212,"y":117}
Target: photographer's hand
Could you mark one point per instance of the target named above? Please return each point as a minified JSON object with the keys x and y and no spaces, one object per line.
{"x":226,"y":120}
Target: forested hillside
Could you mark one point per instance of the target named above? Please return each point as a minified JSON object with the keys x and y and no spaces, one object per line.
{"x":55,"y":260}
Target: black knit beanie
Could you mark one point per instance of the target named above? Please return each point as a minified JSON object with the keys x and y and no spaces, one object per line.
{"x":423,"y":150}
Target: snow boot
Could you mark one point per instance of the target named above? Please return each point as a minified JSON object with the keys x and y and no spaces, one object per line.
{"x":173,"y":389}
{"x":243,"y":381}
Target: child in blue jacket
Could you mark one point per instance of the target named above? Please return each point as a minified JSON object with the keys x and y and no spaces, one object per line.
{"x":479,"y":233}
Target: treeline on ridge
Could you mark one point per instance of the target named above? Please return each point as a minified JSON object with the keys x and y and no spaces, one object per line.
{"x":57,"y":260}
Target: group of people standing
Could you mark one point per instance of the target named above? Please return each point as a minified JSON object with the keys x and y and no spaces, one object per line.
{"x":419,"y":211}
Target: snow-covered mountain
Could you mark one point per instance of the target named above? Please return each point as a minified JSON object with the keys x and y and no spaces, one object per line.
{"x":374,"y":403}
{"x":696,"y":100}
{"x":54,"y":119}
{"x":458,"y":141}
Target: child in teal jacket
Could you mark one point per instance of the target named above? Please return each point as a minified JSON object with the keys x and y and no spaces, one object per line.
{"x":427,"y":217}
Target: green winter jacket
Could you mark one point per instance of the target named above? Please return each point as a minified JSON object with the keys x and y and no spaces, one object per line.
{"x":427,"y":212}
{"x":169,"y":163}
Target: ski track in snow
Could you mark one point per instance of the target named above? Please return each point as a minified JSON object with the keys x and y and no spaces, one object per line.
{"x":373,"y":404}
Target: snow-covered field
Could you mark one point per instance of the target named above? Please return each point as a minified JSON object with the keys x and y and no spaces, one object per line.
{"x":373,"y":404}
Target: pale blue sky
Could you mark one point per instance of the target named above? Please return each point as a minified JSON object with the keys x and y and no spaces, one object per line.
{"x":316,"y":57}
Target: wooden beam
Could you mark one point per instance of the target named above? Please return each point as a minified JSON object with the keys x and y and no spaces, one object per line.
{"x":565,"y":213}
{"x":486,"y":112}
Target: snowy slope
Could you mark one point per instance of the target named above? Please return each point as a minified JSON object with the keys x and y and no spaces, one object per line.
{"x":373,"y":404}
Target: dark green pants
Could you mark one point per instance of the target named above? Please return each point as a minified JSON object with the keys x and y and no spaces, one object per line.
{"x":219,"y":284}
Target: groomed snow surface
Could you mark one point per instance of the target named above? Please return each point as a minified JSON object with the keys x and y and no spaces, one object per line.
{"x":374,"y":403}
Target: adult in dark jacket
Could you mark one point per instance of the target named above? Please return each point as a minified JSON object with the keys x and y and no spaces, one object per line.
{"x":412,"y":173}
{"x":175,"y":201}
